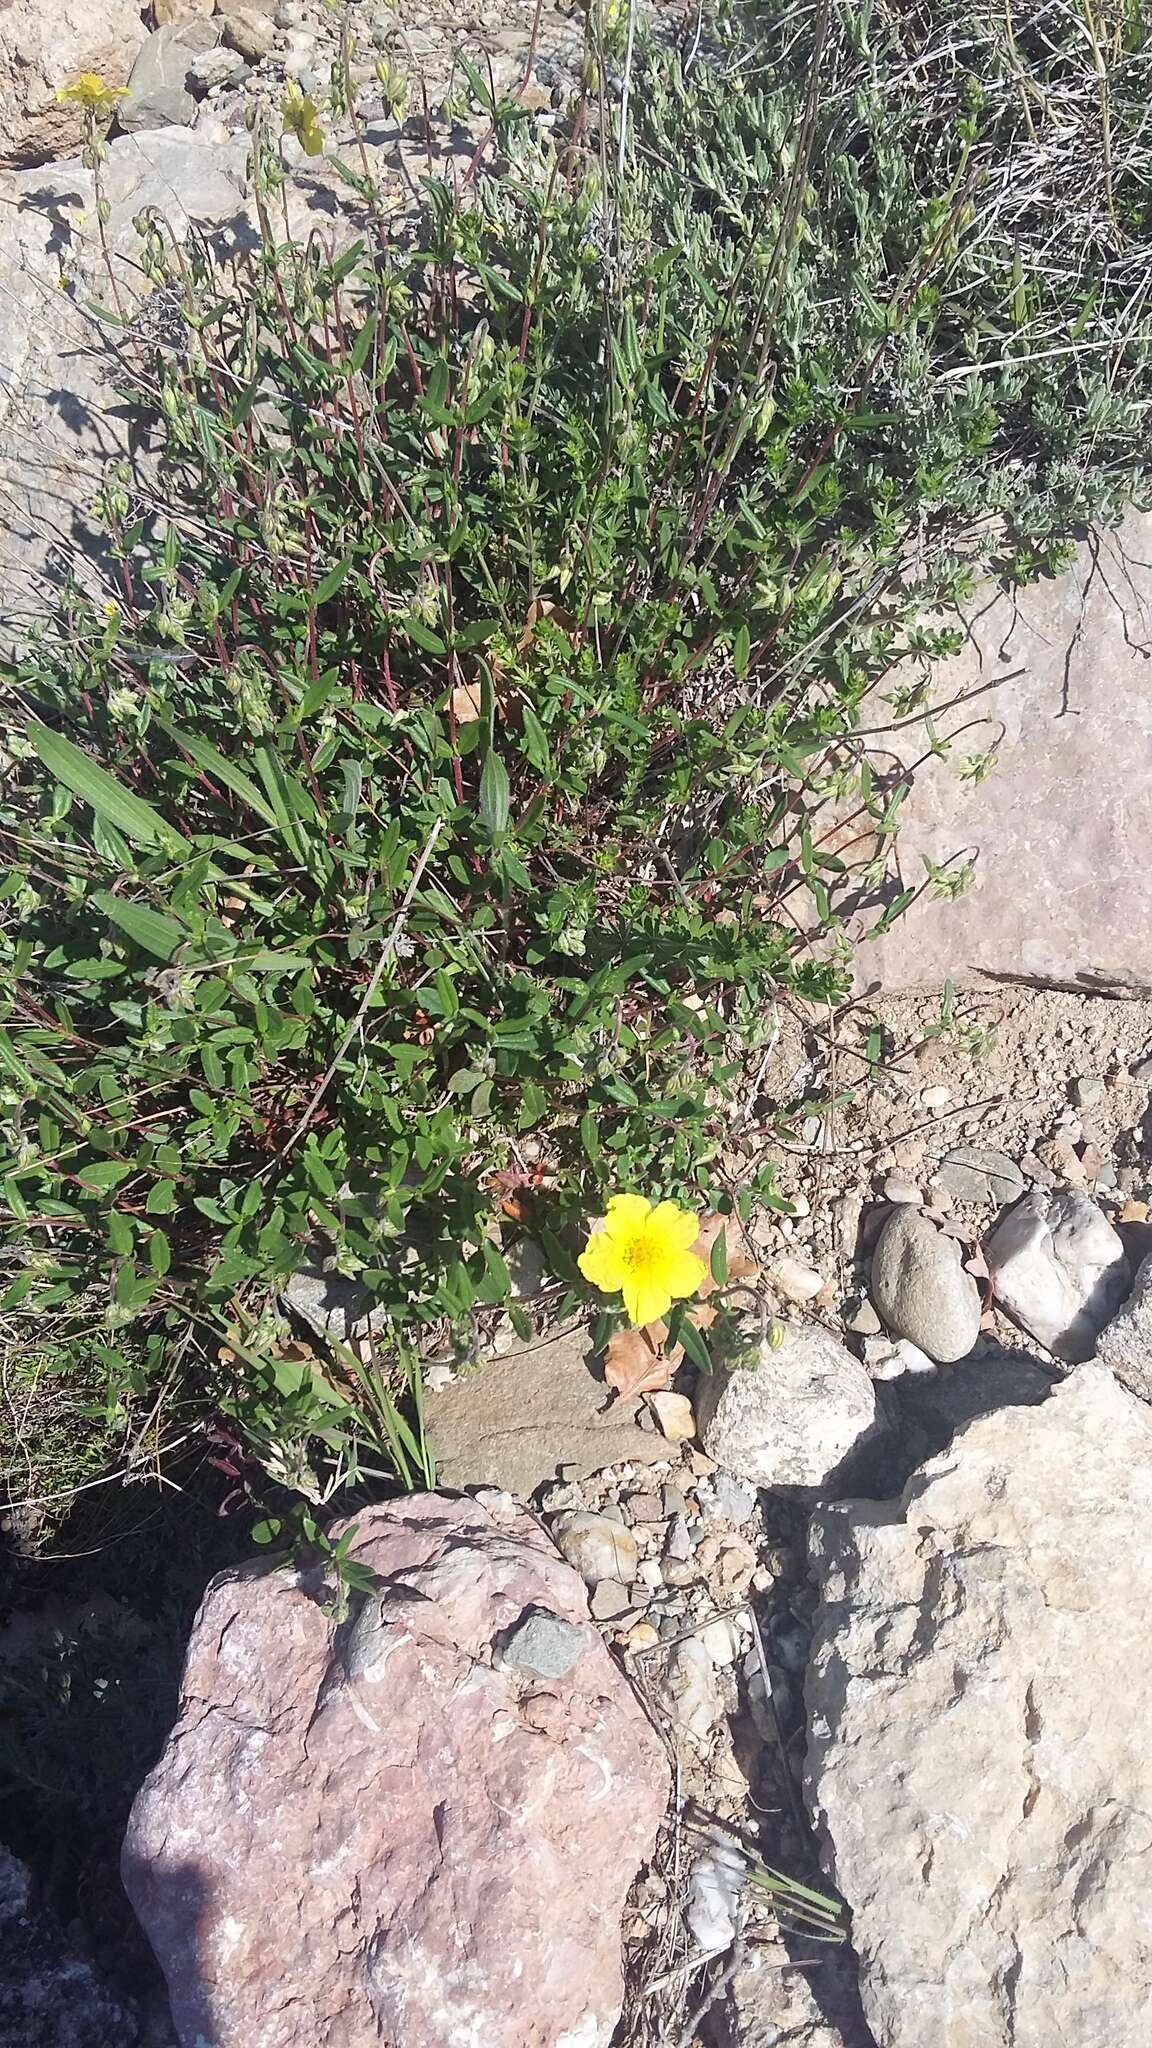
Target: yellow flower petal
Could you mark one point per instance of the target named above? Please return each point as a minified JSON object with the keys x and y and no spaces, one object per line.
{"x":600,"y":1263}
{"x":683,"y":1274}
{"x":646,"y":1300}
{"x":677,"y":1227}
{"x":626,"y":1214}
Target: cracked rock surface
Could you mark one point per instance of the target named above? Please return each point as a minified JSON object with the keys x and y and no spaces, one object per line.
{"x":978,"y":1700}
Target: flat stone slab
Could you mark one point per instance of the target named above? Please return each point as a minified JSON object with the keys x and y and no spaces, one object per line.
{"x":516,"y":1420}
{"x":1063,"y":892}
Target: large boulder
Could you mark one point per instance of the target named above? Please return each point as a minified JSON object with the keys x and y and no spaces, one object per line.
{"x":409,"y":1827}
{"x":45,"y":48}
{"x":979,"y":1696}
{"x":62,"y":420}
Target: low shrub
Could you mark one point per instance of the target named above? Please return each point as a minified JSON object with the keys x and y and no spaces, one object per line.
{"x":414,"y":837}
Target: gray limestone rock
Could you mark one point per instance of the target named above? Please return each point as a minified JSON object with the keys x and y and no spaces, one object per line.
{"x":978,"y":1702}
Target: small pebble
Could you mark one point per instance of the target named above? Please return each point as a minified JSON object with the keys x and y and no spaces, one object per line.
{"x":937,"y":1097}
{"x":1087,"y":1090}
{"x":546,"y":1644}
{"x":673,"y":1500}
{"x":609,"y":1600}
{"x":721,"y":1639}
{"x":645,"y":1507}
{"x":903,"y":1191}
{"x":800,"y":1205}
{"x":677,"y":1571}
{"x":679,"y":1543}
{"x":642,"y":1636}
{"x":862,"y":1318}
{"x":732,"y":1499}
{"x":796,"y":1281}
{"x":597,"y":1547}
{"x":810,"y":1130}
{"x":650,"y":1573}
{"x":701,"y":1464}
{"x":674,"y":1415}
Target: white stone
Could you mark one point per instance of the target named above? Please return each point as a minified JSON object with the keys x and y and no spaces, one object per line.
{"x":674,"y":1414}
{"x":597,"y":1548}
{"x":721,"y":1639}
{"x":889,"y":1358}
{"x":1060,"y":1269}
{"x":979,"y":1696}
{"x":796,"y":1281}
{"x":688,"y":1690}
{"x":790,"y":1420}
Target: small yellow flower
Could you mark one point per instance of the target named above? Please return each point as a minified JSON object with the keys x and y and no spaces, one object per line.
{"x":302,"y":119}
{"x":90,"y":92}
{"x":646,"y":1253}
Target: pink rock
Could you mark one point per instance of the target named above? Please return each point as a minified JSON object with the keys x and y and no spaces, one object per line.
{"x":380,"y":1832}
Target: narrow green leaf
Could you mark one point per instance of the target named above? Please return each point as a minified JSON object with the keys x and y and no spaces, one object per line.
{"x":331,"y":583}
{"x":107,"y":797}
{"x":147,"y":928}
{"x":495,"y":795}
{"x":220,"y":769}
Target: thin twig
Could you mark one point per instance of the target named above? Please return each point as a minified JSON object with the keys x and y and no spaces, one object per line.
{"x":715,"y":1990}
{"x":386,"y":952}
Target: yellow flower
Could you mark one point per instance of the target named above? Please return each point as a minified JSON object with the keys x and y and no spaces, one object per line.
{"x":90,"y":92}
{"x":301,"y":118}
{"x":646,"y":1253}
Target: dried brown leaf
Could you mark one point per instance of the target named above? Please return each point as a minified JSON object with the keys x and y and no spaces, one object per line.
{"x":465,"y":701}
{"x":634,"y":1362}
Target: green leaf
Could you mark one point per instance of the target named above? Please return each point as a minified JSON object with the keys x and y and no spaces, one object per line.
{"x":107,"y":797}
{"x":535,"y":740}
{"x":220,"y":769}
{"x":159,"y":1252}
{"x":718,"y":1263}
{"x":101,"y":1174}
{"x":694,"y":1346}
{"x":332,"y":582}
{"x":147,"y":928}
{"x":121,"y":1235}
{"x":495,"y":795}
